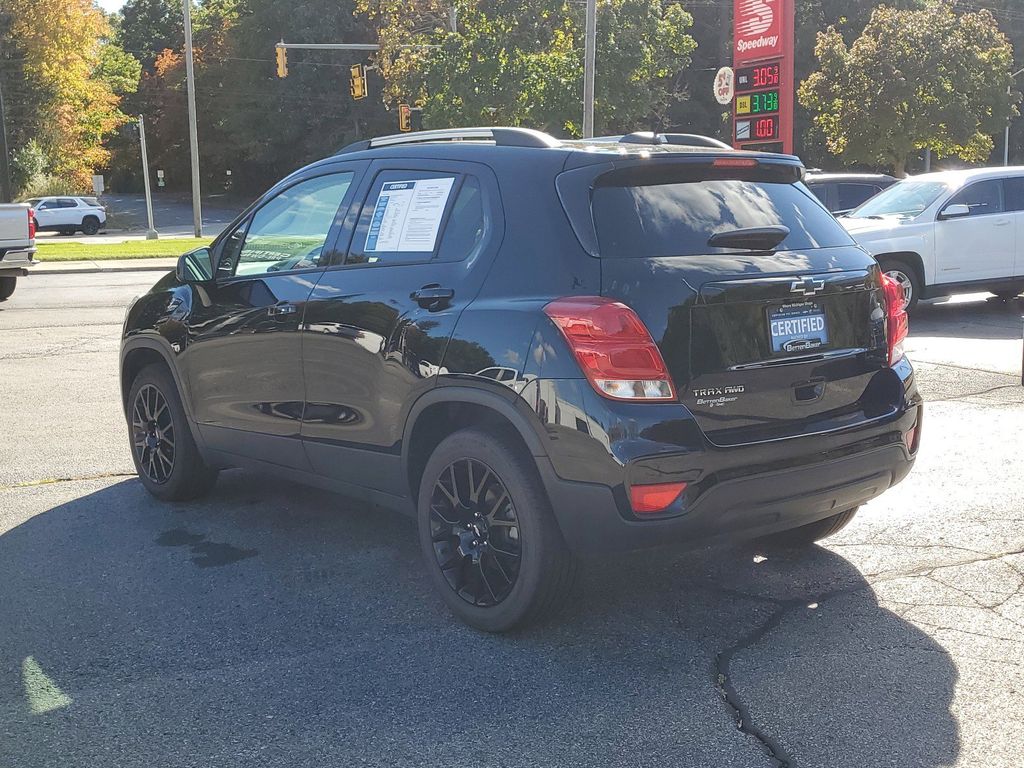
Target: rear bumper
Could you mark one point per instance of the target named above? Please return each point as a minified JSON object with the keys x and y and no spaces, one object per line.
{"x":593,"y":520}
{"x":16,"y":263}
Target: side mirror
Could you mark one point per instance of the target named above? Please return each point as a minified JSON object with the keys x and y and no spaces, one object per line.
{"x":954,"y":211}
{"x":195,"y":266}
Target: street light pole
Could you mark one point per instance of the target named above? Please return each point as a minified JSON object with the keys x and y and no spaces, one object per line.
{"x":1006,"y":136}
{"x":193,"y":134}
{"x":589,"y":56}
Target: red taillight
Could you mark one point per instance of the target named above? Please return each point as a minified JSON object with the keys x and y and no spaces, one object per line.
{"x":613,"y":347}
{"x":31,"y":224}
{"x":646,"y":499}
{"x":897,"y":323}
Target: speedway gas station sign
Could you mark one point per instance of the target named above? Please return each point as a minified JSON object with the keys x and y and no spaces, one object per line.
{"x":763,"y":82}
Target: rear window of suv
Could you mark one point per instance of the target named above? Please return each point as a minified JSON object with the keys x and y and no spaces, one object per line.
{"x":678,"y":218}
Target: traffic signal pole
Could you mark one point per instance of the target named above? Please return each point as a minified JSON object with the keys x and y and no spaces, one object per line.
{"x":193,"y":134}
{"x":589,"y":63}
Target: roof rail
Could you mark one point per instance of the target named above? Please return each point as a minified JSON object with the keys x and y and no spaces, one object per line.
{"x":502,"y":137}
{"x":681,"y":139}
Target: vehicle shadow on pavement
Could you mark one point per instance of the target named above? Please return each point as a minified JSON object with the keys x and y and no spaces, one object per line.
{"x":274,"y":625}
{"x":987,"y":318}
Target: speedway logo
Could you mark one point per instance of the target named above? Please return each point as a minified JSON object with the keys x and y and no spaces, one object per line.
{"x":758,"y":26}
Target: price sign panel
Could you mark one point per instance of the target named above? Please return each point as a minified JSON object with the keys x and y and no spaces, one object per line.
{"x":763,"y":81}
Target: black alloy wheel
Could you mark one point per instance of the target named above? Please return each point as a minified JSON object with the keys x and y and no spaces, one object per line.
{"x":475,"y":532}
{"x":489,"y":538}
{"x":153,"y":434}
{"x":90,"y":225}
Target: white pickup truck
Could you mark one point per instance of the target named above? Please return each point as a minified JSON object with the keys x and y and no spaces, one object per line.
{"x":17,"y":245}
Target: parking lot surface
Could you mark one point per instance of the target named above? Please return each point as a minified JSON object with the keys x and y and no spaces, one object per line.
{"x":273,"y":625}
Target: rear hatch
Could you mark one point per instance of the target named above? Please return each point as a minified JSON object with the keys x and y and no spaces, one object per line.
{"x":767,"y":338}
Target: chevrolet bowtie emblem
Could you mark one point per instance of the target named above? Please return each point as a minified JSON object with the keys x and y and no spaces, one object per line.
{"x":807,"y":286}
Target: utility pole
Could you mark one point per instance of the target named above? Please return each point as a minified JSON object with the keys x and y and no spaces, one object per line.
{"x":1006,"y":136}
{"x":589,"y":56}
{"x":151,"y":233}
{"x":193,"y":134}
{"x":6,"y":193}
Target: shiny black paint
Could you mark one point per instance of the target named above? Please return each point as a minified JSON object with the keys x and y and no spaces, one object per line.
{"x":331,"y":394}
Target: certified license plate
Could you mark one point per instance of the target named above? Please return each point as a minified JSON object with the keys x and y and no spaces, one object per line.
{"x":797,"y":327}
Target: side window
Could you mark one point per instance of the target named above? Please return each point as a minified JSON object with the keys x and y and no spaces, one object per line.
{"x":46,"y":205}
{"x":852,"y":195}
{"x":820,"y":191}
{"x":982,"y":198}
{"x":404,"y":216}
{"x":465,"y":228}
{"x":65,"y":202}
{"x":290,"y":230}
{"x":1014,"y":188}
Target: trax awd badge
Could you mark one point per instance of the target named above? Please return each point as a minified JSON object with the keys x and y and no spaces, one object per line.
{"x":715,"y":397}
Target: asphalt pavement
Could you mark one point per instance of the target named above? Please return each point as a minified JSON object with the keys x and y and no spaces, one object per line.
{"x":274,"y":625}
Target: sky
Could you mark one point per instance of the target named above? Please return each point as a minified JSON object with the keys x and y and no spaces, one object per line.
{"x":110,"y":5}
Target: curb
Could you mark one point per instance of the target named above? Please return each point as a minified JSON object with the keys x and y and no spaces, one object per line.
{"x":79,"y":269}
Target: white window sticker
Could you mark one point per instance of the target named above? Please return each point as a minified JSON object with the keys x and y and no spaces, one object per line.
{"x":408,"y":215}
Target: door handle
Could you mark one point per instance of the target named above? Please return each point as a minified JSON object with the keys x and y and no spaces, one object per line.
{"x":1002,"y":223}
{"x":433,"y":297}
{"x":282,"y":310}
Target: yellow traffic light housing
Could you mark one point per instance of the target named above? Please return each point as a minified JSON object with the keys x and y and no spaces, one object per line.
{"x":357,"y":81}
{"x":282,"y":61}
{"x":404,"y":118}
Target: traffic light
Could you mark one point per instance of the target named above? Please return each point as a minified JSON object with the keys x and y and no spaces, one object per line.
{"x":404,"y":118}
{"x":282,"y":61}
{"x":357,"y":81}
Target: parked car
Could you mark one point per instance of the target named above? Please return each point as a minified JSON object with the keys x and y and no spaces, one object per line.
{"x":842,"y":192}
{"x":17,"y":245}
{"x":951,"y":232}
{"x":68,"y":215}
{"x":540,"y":349}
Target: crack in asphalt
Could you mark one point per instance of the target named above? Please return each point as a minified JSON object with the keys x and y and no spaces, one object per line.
{"x":965,"y":395}
{"x":722,"y":680}
{"x":54,"y":480}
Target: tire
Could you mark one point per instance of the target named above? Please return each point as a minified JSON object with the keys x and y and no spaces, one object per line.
{"x":90,"y":225}
{"x":906,"y":276}
{"x":7,"y":286}
{"x":67,"y":231}
{"x":534,"y":572}
{"x":157,"y":418}
{"x":806,"y":535}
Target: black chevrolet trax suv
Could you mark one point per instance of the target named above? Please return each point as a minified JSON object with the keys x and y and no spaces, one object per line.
{"x":541,"y":349}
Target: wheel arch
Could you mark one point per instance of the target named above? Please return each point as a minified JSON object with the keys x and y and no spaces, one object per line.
{"x":136,"y":354}
{"x":911,"y":258}
{"x":447,"y":409}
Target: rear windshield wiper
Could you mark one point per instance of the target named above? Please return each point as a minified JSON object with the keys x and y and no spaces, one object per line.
{"x":751,"y":238}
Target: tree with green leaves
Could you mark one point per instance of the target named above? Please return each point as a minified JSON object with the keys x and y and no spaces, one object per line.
{"x":147,"y":27}
{"x":72,"y":76}
{"x":520,"y":62}
{"x":914,"y":79}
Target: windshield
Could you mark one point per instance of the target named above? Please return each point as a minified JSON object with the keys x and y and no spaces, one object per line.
{"x":905,"y":198}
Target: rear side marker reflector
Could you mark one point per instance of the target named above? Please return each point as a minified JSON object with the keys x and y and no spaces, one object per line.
{"x":646,"y":499}
{"x":613,"y":348}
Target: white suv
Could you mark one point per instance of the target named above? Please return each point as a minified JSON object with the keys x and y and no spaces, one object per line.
{"x":69,"y":214}
{"x":950,"y":232}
